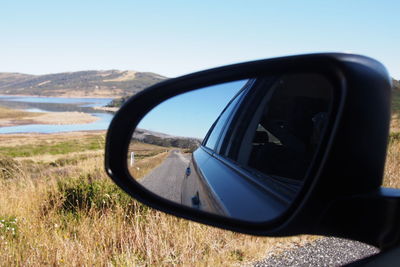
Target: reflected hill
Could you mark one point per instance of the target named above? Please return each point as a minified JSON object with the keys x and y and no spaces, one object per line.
{"x":165,"y":140}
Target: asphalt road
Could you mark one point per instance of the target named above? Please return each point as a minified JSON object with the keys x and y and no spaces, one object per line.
{"x":166,"y":179}
{"x":327,"y":251}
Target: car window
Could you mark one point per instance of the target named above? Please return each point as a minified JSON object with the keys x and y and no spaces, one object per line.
{"x":221,"y":122}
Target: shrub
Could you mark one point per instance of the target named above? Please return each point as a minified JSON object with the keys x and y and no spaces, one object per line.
{"x":87,"y":193}
{"x":394,"y":137}
{"x":9,"y":168}
{"x":68,"y":161}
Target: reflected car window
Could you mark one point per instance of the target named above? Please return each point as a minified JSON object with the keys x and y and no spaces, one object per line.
{"x":219,"y":125}
{"x":284,"y":133}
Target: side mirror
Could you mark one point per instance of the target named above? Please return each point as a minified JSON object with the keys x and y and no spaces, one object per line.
{"x":262,"y":147}
{"x":239,"y":149}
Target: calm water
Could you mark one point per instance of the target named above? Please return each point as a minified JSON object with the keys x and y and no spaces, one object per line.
{"x":57,"y":104}
{"x":87,"y":102}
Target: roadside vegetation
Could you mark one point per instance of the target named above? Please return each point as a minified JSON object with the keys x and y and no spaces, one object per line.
{"x":62,"y":210}
{"x":54,"y":148}
{"x":54,"y":205}
{"x":146,"y":158}
{"x":392,"y":173}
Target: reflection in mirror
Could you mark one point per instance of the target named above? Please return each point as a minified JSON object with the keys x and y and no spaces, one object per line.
{"x":240,"y":149}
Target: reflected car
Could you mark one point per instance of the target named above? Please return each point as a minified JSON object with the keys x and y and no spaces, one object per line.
{"x":257,"y":153}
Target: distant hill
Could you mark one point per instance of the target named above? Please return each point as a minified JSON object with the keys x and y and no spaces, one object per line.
{"x":108,"y":83}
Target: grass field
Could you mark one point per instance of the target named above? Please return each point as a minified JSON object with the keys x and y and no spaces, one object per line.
{"x":392,"y":167}
{"x":392,"y":173}
{"x":61,"y":209}
{"x":396,"y":101}
{"x":58,"y":207}
{"x":55,"y":148}
{"x":147,"y":157}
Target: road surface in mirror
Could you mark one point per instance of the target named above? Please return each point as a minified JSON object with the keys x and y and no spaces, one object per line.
{"x":166,"y":180}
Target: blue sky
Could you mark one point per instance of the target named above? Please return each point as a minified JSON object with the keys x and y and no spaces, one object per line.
{"x":177,"y":37}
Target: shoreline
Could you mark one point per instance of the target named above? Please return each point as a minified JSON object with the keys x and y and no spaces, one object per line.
{"x":64,"y":134}
{"x":109,"y":109}
{"x":54,"y":118}
{"x":62,"y":96}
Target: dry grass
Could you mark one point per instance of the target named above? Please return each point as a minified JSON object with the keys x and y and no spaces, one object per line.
{"x":147,"y":157}
{"x":49,"y":158}
{"x":122,"y":232}
{"x":395,"y":124}
{"x":12,"y":140}
{"x":60,"y":209}
{"x":126,"y":76}
{"x":145,"y":165}
{"x":50,"y":229}
{"x":7,"y":113}
{"x":142,"y":149}
{"x":392,"y":167}
{"x":66,"y":212}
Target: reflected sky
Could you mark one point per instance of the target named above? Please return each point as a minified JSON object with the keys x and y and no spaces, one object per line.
{"x":191,"y":114}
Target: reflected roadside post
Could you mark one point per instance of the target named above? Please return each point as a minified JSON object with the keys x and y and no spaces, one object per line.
{"x":132,"y":158}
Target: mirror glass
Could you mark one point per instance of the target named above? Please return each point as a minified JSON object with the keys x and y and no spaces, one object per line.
{"x":240,"y":149}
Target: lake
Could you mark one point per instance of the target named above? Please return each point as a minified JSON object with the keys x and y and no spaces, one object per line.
{"x":57,"y":104}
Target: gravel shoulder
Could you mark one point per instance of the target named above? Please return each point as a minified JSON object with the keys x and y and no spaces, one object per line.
{"x":327,"y":251}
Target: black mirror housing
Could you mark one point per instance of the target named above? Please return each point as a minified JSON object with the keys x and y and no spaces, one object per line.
{"x":350,"y":164}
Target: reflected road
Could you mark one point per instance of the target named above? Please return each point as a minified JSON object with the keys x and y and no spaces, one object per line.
{"x":166,"y":179}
